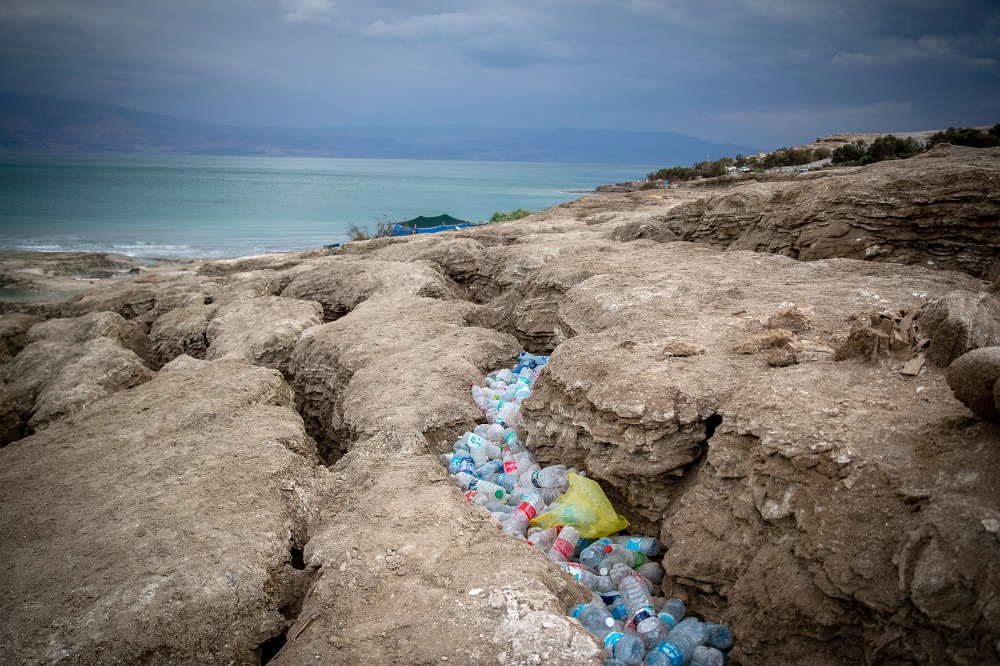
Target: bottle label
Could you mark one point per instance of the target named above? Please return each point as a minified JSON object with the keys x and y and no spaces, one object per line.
{"x":610,"y":598}
{"x":534,"y":480}
{"x":633,"y":543}
{"x":611,"y":641}
{"x":563,"y":547}
{"x":574,"y":569}
{"x":510,"y":438}
{"x":510,"y":467}
{"x":576,"y":611}
{"x":643,"y":613}
{"x":528,"y":509}
{"x":671,"y":652}
{"x":471,"y":495}
{"x":639,"y":561}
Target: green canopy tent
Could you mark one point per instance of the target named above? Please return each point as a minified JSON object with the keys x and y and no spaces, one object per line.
{"x":423,"y":224}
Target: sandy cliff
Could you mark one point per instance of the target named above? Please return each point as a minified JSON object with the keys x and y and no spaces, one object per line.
{"x":208,"y":464}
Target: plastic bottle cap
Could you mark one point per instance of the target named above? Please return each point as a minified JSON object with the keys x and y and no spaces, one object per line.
{"x":609,"y":622}
{"x":608,"y":549}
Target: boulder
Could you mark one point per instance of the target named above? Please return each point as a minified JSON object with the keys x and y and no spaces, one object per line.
{"x":958,"y":322}
{"x":973,"y":378}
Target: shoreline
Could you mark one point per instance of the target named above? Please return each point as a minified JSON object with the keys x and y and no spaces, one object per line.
{"x":37,"y":276}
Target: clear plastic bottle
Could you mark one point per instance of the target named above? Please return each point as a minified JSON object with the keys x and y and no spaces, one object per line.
{"x":521,"y":393}
{"x":672,"y":612}
{"x":652,"y":571}
{"x":499,"y":507}
{"x":591,"y":581}
{"x":525,"y":460}
{"x":455,"y":464}
{"x":562,"y":548}
{"x":476,"y":497}
{"x":653,"y":631}
{"x":518,"y":520}
{"x":550,"y":495}
{"x":707,"y":656}
{"x":480,"y":394}
{"x":509,"y":463}
{"x":637,"y":599}
{"x":719,"y":636}
{"x":544,"y":538}
{"x":491,"y":490}
{"x":620,"y":571}
{"x":553,"y":476}
{"x":477,"y":448}
{"x":621,"y":554}
{"x":616,"y":605}
{"x":625,"y":647}
{"x":508,"y":414}
{"x":508,"y":481}
{"x":488,"y":469}
{"x":593,"y":555}
{"x":648,"y":546}
{"x":679,"y":647}
{"x":593,"y":617}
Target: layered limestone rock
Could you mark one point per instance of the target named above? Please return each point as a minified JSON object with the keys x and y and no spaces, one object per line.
{"x":940,"y":208}
{"x":817,"y":484}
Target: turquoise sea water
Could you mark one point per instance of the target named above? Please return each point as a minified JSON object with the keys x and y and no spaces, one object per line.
{"x":173,"y":206}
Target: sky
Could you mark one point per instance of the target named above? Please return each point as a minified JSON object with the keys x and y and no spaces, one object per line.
{"x":766,"y":73}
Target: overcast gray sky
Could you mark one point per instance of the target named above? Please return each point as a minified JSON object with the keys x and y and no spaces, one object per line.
{"x":761,"y":72}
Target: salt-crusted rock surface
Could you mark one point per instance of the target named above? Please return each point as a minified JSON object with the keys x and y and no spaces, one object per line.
{"x":787,"y":428}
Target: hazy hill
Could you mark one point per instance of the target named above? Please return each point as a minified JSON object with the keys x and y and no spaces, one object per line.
{"x":41,"y":123}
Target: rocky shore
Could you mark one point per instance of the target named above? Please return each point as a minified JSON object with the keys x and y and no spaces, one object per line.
{"x":215,"y":462}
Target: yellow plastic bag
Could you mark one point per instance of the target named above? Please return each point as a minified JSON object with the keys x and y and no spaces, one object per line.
{"x":585,"y":507}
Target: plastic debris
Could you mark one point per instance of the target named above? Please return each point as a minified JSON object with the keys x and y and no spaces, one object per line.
{"x":566,"y":515}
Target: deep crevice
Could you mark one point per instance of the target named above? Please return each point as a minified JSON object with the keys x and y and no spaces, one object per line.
{"x":270,"y":648}
{"x":298,"y":562}
{"x":711,"y":423}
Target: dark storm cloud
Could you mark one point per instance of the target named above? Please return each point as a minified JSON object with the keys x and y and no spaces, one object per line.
{"x":771,"y":72}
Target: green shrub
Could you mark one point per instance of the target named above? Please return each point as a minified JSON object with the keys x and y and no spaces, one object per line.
{"x":888,"y":147}
{"x":510,"y":215}
{"x":967,"y":136}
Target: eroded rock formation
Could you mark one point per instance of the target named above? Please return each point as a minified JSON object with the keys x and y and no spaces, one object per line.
{"x":238,"y":464}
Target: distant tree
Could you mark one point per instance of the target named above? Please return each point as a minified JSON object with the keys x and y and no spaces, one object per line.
{"x":967,"y":136}
{"x":849,"y":153}
{"x":891,"y":147}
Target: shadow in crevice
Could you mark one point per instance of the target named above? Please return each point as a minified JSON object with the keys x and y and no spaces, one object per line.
{"x":270,"y":648}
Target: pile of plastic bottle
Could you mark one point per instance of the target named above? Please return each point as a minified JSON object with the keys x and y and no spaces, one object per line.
{"x":499,"y":473}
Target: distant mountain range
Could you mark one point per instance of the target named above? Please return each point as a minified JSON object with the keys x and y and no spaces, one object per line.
{"x":41,"y":123}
